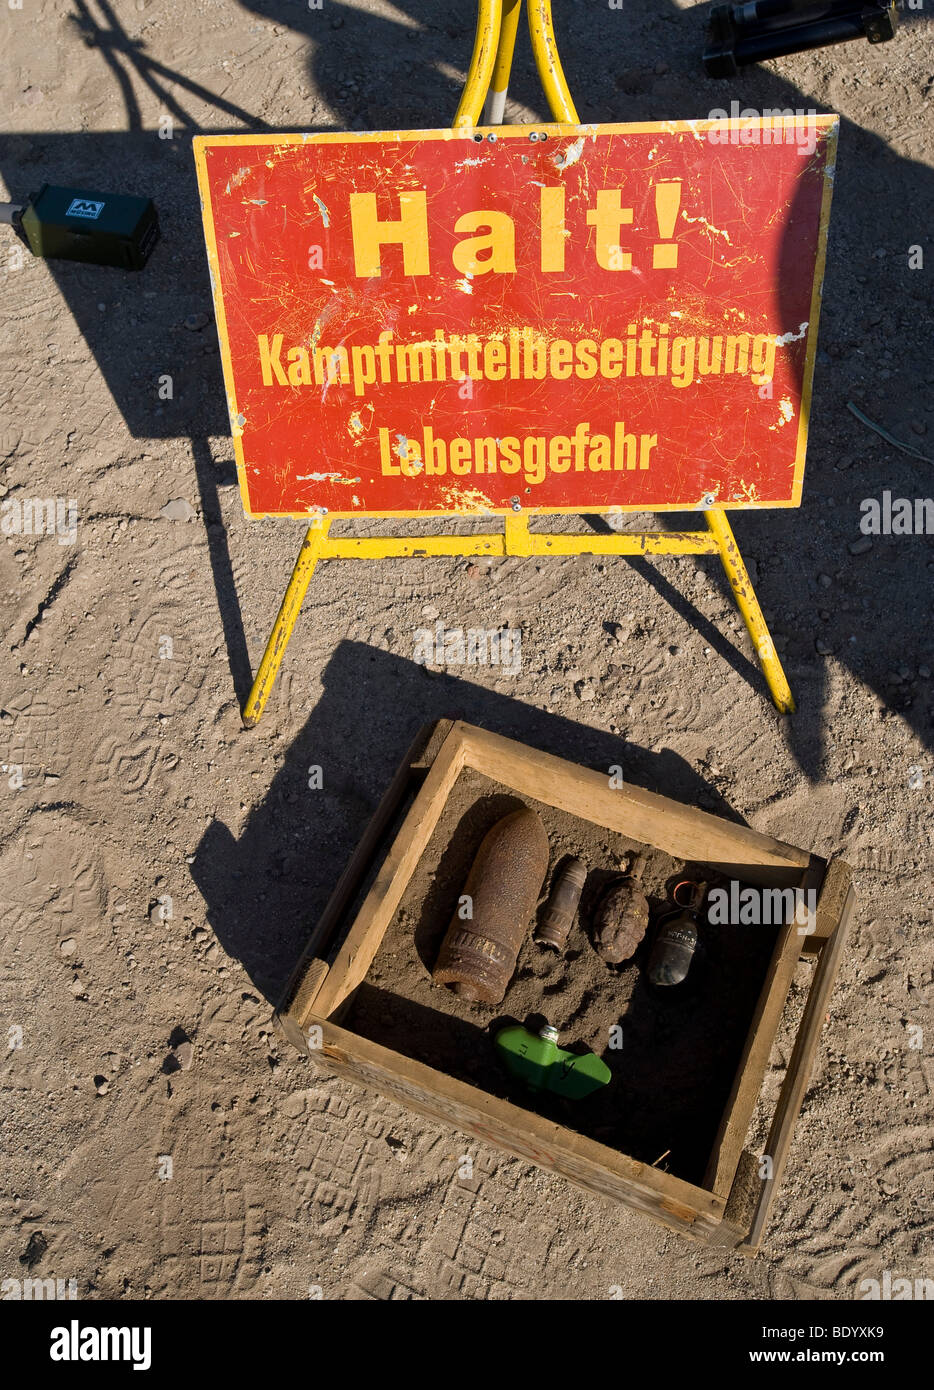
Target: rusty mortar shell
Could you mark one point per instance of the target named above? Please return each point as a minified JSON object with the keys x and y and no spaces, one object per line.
{"x":479,"y":952}
{"x":558,"y":916}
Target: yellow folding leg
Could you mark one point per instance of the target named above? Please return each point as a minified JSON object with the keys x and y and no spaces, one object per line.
{"x":548,"y":62}
{"x":495,"y":107}
{"x":482,"y":63}
{"x":308,"y":557}
{"x":748,"y":605}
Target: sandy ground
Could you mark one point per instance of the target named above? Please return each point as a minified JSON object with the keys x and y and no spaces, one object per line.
{"x":160,"y":868}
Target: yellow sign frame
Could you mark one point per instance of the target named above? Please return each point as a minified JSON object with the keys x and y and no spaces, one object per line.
{"x":487,"y":82}
{"x":202,"y":143}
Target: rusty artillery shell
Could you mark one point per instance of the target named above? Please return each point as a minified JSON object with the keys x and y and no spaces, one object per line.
{"x":622,"y":916}
{"x":558,"y":917}
{"x":478,"y":954}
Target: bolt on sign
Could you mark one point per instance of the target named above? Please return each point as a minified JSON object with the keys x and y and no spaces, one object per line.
{"x":557,"y":318}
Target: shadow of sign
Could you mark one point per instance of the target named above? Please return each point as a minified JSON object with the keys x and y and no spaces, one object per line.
{"x":265,"y":888}
{"x":873,"y":340}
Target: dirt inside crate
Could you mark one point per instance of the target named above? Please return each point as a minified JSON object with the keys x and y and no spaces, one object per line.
{"x":679,"y":1055}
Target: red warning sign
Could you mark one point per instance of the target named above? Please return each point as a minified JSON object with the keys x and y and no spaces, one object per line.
{"x":556,"y":318}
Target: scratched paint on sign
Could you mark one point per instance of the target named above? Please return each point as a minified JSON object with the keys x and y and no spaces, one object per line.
{"x":557,"y":318}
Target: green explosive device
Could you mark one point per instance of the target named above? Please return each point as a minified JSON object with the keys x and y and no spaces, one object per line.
{"x":538,"y":1061}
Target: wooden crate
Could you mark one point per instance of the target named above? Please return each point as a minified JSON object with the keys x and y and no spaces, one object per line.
{"x":731,"y":1205}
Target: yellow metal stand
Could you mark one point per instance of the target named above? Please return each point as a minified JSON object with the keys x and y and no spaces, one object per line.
{"x":308,"y":557}
{"x":488,"y":80}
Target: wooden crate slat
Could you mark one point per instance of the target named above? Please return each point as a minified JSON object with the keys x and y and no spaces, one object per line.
{"x":681,"y":831}
{"x":299,"y":996}
{"x":352,"y":962}
{"x":801,"y":1063}
{"x":731,"y":1135}
{"x":522,"y":1132}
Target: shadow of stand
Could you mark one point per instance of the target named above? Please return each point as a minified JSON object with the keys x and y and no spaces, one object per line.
{"x":265,"y":889}
{"x":174,"y":282}
{"x":228,"y":603}
{"x":683,"y":606}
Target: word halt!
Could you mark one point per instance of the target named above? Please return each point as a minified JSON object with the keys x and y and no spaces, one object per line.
{"x":492,"y":248}
{"x":551,"y":319}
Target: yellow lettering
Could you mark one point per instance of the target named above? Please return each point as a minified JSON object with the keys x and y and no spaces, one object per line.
{"x":300,"y":370}
{"x":509,"y":448}
{"x":364,"y":368}
{"x":553,"y":230}
{"x":737,"y":353}
{"x":387,"y":467}
{"x":499,"y":241}
{"x":494,"y":360}
{"x":624,"y":448}
{"x":484,"y":454}
{"x":270,"y":365}
{"x":598,"y":459}
{"x":611,"y":357}
{"x":561,"y":355}
{"x":559,"y":454}
{"x":763,"y":358}
{"x":511,"y":461}
{"x":607,"y":218}
{"x":534,"y":452}
{"x":331,"y":362}
{"x":369,"y":233}
{"x":459,"y":456}
{"x":410,"y":458}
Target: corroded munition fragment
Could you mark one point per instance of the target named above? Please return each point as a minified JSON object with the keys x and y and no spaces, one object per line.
{"x":479,"y":951}
{"x":622,"y":916}
{"x":558,"y":916}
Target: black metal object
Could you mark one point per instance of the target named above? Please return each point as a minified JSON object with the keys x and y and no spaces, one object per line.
{"x":73,"y":224}
{"x":741,"y":34}
{"x":675,"y":940}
